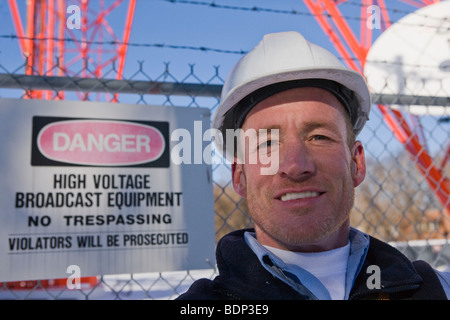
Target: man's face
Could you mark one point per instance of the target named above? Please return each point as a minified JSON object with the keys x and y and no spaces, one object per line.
{"x":305,"y":206}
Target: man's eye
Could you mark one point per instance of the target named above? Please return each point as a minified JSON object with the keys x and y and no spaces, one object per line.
{"x":267,"y":144}
{"x":320,"y":137}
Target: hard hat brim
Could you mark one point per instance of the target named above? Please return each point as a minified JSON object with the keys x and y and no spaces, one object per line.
{"x":346,"y":77}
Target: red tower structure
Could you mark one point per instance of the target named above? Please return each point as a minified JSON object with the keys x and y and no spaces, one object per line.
{"x":354,"y":50}
{"x":69,"y":38}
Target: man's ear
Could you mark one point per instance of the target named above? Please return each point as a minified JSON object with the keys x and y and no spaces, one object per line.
{"x":358,"y":164}
{"x":238,"y":177}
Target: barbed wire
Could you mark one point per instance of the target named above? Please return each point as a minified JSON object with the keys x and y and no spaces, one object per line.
{"x":218,"y":6}
{"x":240,"y":8}
{"x":131,"y":44}
{"x":393,"y":10}
{"x":199,"y":48}
{"x":214,"y":5}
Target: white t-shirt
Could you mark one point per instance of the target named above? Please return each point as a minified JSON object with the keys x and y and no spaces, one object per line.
{"x":330,"y":267}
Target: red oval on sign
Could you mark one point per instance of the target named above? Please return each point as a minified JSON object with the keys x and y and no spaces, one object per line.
{"x":100,"y":142}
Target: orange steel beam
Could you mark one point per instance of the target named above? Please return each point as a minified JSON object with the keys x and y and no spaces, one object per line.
{"x":384,"y":14}
{"x":366,"y":35}
{"x":42,"y":40}
{"x":317,"y":11}
{"x":445,"y":158}
{"x":30,"y":35}
{"x":84,"y":46}
{"x":59,"y":43}
{"x":433,"y":175}
{"x":345,"y":30}
{"x":126,"y":37}
{"x":124,"y":46}
{"x":414,"y":3}
{"x":18,"y":26}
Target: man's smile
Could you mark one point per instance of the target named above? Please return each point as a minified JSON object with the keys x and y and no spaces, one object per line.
{"x":299,"y":195}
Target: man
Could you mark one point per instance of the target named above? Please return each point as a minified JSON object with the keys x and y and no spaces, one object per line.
{"x":305,"y":108}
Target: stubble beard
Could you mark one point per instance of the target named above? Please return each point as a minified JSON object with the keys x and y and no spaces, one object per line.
{"x":296,"y":232}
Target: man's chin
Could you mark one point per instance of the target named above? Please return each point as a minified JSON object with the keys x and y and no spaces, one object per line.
{"x":318,"y":236}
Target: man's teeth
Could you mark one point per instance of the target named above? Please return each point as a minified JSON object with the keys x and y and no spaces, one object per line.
{"x":299,"y":195}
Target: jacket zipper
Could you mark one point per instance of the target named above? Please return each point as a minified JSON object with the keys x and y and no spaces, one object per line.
{"x":363,"y":293}
{"x":233,"y":296}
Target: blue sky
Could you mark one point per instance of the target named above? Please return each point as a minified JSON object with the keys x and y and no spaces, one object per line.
{"x":186,"y":23}
{"x":189,"y":23}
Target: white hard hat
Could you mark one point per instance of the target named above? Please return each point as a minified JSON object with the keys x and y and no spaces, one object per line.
{"x":282,"y":61}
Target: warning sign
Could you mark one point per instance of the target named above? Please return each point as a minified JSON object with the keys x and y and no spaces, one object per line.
{"x":93,"y":185}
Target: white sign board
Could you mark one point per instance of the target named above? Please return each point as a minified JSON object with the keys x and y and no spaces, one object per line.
{"x":93,"y":185}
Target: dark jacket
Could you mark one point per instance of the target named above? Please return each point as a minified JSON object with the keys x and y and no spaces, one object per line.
{"x":242,"y":277}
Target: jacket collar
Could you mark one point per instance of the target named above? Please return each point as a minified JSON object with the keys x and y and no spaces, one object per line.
{"x":359,"y":244}
{"x":242,"y":276}
{"x":242,"y":272}
{"x":397,"y":273}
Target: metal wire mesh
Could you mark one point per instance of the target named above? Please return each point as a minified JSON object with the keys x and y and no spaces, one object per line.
{"x":395,"y":203}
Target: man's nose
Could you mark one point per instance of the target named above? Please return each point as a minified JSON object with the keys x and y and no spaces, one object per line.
{"x":296,"y":161}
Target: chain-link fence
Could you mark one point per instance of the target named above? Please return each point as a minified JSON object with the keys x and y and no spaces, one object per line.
{"x":400,"y":201}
